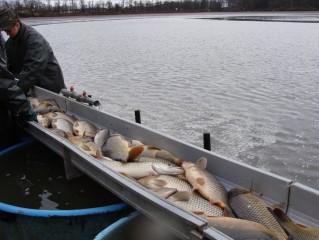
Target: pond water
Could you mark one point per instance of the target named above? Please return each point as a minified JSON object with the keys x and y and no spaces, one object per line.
{"x":253,"y":85}
{"x":32,"y":178}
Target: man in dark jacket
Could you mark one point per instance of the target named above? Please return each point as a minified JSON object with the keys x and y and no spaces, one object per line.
{"x":30,"y":57}
{"x":13,"y":102}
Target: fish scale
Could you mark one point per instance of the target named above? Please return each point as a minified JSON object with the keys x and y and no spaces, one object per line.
{"x":166,"y":181}
{"x":206,"y":184}
{"x":198,"y":204}
{"x":249,"y":207}
{"x":295,"y":231}
{"x":117,"y":148}
{"x":84,"y":128}
{"x":138,"y":170}
{"x":160,"y":160}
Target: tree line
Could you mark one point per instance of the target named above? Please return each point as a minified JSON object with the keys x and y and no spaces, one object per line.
{"x":28,"y":8}
{"x":271,"y":5}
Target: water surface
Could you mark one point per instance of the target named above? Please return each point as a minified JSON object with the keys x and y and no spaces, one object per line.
{"x":252,"y":84}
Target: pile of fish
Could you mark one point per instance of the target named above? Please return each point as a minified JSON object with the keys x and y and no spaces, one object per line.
{"x":238,"y":212}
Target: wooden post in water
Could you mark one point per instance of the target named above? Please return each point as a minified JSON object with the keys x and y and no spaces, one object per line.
{"x":207,"y":145}
{"x":138,"y":116}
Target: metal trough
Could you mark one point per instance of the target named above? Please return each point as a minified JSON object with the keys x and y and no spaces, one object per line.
{"x":298,"y":199}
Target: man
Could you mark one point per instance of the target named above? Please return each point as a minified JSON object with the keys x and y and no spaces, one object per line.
{"x":30,"y":57}
{"x":12,"y":102}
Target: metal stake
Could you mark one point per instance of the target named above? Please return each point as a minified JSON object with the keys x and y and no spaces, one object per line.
{"x":207,"y":144}
{"x":138,"y":116}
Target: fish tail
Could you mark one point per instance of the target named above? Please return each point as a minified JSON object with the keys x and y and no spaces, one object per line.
{"x":217,"y":203}
{"x":135,"y":152}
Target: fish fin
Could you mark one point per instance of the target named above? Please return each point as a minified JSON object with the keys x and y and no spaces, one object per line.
{"x":199,"y":213}
{"x":47,"y":104}
{"x":164,"y":192}
{"x":301,"y":225}
{"x":98,"y":154}
{"x":83,"y":135}
{"x":279,"y":214}
{"x":201,"y":163}
{"x":150,"y":147}
{"x":158,"y":183}
{"x":180,"y":196}
{"x":194,"y":189}
{"x":69,"y":135}
{"x":126,"y":175}
{"x":236,"y":191}
{"x":227,"y":213}
{"x":135,"y":152}
{"x":217,"y":203}
{"x":182,"y":177}
{"x":85,"y":147}
{"x":200,"y":181}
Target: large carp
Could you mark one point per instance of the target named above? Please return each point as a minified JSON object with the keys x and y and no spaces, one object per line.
{"x":117,"y":147}
{"x":240,"y":229}
{"x":85,"y":145}
{"x":153,"y":152}
{"x":249,"y":207}
{"x":62,"y":124}
{"x":295,"y":231}
{"x":46,"y":107}
{"x":84,"y":129}
{"x":206,"y":184}
{"x":44,"y":121}
{"x":54,"y":115}
{"x":195,"y":203}
{"x":165,"y":181}
{"x":138,"y":170}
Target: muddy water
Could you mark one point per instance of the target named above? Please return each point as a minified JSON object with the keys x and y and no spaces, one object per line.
{"x":34,"y":178}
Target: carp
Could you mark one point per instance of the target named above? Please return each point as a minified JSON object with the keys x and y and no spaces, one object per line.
{"x":62,"y":124}
{"x":46,"y":107}
{"x":152,"y":152}
{"x":54,"y":115}
{"x":165,"y":181}
{"x":44,"y":121}
{"x":101,"y":137}
{"x":84,"y":129}
{"x":206,"y":184}
{"x":239,"y":229}
{"x":117,"y":148}
{"x":195,"y":203}
{"x":35,"y":102}
{"x":59,"y":132}
{"x":160,"y":160}
{"x":91,"y":149}
{"x":295,"y":231}
{"x":164,"y":192}
{"x":249,"y":207}
{"x":86,"y":145}
{"x":139,"y":170}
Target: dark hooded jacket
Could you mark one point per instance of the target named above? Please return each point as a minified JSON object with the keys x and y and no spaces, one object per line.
{"x":12,"y":101}
{"x":32,"y":61}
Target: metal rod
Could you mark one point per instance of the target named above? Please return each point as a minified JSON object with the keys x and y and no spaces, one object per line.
{"x":207,"y":144}
{"x":138,"y":116}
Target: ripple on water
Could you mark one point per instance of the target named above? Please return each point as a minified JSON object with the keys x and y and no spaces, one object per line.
{"x":252,"y":85}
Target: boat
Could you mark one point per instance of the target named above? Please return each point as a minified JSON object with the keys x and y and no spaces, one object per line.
{"x":299,"y":201}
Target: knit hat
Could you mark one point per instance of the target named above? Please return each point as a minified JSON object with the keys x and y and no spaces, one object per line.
{"x":7,"y":18}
